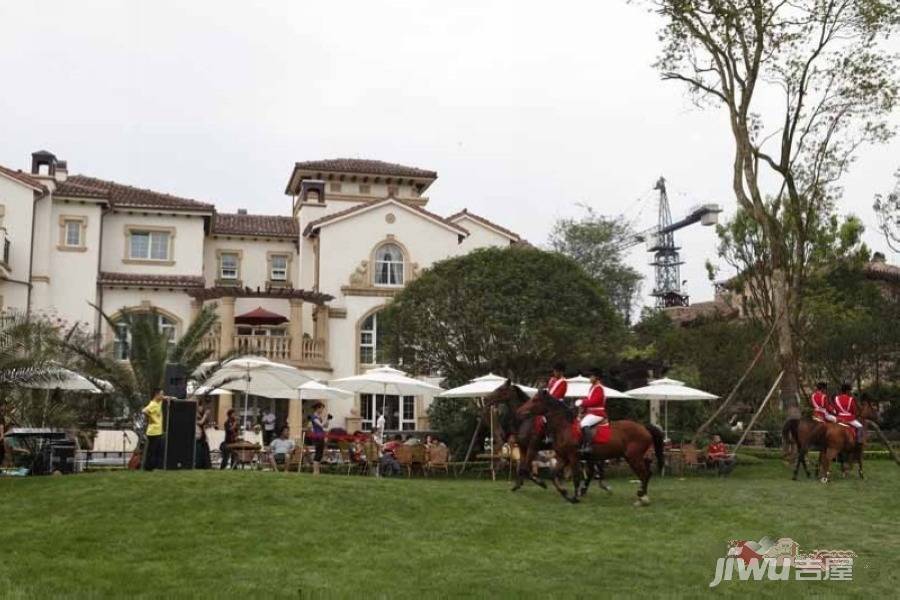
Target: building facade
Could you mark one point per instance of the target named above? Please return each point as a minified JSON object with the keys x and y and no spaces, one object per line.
{"x":303,"y":288}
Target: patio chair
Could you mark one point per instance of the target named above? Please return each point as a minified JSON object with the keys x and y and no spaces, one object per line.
{"x":373,"y":454}
{"x":438,"y":460}
{"x":691,"y":459}
{"x":419,"y":458}
{"x":404,"y":456}
{"x":346,"y":457}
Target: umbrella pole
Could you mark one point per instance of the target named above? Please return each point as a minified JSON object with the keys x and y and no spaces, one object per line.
{"x":493,"y":472}
{"x":471,"y":445}
{"x":666,"y":405}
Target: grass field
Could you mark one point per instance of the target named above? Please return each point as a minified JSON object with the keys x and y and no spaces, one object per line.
{"x":261,"y":535}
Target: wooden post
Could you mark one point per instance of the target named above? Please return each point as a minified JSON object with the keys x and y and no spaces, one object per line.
{"x":759,"y":411}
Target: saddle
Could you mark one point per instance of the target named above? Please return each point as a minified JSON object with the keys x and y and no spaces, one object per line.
{"x":601,"y":432}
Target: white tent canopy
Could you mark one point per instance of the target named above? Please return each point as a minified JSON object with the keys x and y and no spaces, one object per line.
{"x":313,"y":390}
{"x":386,"y":381}
{"x":578,"y":387}
{"x":480,"y":387}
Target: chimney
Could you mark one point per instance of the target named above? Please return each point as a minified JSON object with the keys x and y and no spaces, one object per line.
{"x":242,"y":211}
{"x":62,"y":171}
{"x":43,"y":163}
{"x":312,"y":190}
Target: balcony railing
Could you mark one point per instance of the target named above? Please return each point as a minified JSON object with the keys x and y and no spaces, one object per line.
{"x":273,"y":347}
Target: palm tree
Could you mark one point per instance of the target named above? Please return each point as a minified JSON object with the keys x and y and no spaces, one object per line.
{"x":150,"y":350}
{"x":27,"y":351}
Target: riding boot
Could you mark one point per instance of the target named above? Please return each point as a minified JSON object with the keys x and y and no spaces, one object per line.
{"x":586,"y":440}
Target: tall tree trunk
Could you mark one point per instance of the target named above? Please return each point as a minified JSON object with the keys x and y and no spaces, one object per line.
{"x":787,"y":356}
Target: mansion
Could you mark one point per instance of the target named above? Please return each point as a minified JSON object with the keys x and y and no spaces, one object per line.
{"x":303,"y":288}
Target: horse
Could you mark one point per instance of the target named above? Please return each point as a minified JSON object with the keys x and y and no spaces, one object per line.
{"x":529,"y":435}
{"x":831,"y":439}
{"x":629,"y":440}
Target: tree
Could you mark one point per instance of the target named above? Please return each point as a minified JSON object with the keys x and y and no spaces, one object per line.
{"x":595,"y":243}
{"x":804,"y":83}
{"x":887,"y":207}
{"x":512,"y":311}
{"x":151,"y":349}
{"x":26,"y":355}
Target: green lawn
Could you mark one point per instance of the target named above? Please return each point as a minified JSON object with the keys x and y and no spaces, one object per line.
{"x":261,"y":535}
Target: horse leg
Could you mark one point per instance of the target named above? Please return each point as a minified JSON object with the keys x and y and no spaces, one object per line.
{"x":825,"y":458}
{"x":859,"y":459}
{"x":560,"y":472}
{"x":600,"y":467}
{"x":588,"y":474}
{"x":636,"y":462}
{"x":803,"y":462}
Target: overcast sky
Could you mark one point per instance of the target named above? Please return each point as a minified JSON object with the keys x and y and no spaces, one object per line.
{"x":524,"y":109}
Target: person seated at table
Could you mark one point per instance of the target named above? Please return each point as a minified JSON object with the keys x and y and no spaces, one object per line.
{"x":388,"y":462}
{"x":358,"y":452}
{"x":718,"y":457}
{"x":280,"y":448}
{"x":412,"y":440}
{"x":545,"y":459}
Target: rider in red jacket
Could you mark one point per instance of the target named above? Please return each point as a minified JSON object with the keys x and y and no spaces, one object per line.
{"x":557,"y":386}
{"x":846,"y":409}
{"x":822,"y":409}
{"x":595,"y":410}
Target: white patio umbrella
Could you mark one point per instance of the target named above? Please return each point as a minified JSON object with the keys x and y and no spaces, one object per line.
{"x":580,"y":386}
{"x":258,"y":376}
{"x":66,"y":379}
{"x":387,"y":382}
{"x":482,"y":386}
{"x":313,"y":390}
{"x":669,"y":390}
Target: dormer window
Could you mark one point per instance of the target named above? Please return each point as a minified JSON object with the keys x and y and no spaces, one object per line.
{"x":389,"y":265}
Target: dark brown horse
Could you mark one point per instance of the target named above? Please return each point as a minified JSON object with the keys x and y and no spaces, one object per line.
{"x":831,"y":439}
{"x":529,"y":439}
{"x":630,"y":440}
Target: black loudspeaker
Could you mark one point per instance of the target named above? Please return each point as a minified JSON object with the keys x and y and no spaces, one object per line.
{"x":181,"y":422}
{"x":175,"y":382}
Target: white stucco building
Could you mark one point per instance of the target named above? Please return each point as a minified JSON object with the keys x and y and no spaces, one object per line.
{"x":303,"y":288}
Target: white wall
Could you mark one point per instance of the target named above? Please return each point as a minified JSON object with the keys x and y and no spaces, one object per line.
{"x":479,"y":236}
{"x":254,"y":262}
{"x":188,"y":243}
{"x":18,"y":208}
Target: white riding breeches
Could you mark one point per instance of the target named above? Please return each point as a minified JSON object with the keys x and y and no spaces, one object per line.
{"x":831,"y":418}
{"x":591,"y":420}
{"x":855,"y":423}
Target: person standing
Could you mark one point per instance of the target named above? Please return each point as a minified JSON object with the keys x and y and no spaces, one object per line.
{"x":202,"y":451}
{"x":268,"y":421}
{"x":153,"y":412}
{"x":231,"y":435}
{"x":320,"y":422}
{"x":378,"y":432}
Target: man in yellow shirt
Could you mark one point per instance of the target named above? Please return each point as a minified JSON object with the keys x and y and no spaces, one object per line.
{"x":154,"y":450}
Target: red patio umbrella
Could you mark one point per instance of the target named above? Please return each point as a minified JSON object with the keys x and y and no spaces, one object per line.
{"x":260,"y":316}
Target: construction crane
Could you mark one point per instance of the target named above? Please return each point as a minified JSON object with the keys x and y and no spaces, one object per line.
{"x":661,"y":242}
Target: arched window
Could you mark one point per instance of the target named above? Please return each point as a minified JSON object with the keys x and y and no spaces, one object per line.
{"x":123,"y":341}
{"x":389,"y":265}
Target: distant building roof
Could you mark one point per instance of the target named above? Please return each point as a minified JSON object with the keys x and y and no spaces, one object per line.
{"x":126,"y":196}
{"x":255,"y":225}
{"x":512,"y":235}
{"x":358,"y":166}
{"x":359,"y":208}
{"x":23,"y":178}
{"x":151,"y":281}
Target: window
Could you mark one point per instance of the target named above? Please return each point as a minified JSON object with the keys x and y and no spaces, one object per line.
{"x":389,"y":265}
{"x":365,"y":188}
{"x":399,"y":413}
{"x":334,"y":186}
{"x":229,"y":265}
{"x":149,"y":245}
{"x":122,"y":333}
{"x":278,"y":267}
{"x":368,"y":340}
{"x":73,"y":233}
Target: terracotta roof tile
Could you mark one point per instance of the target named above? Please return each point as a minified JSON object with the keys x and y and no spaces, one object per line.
{"x":369,"y":167}
{"x":362,"y":207}
{"x":255,"y":225}
{"x":157,"y":281}
{"x":479,"y":219}
{"x":23,"y":177}
{"x":126,"y":196}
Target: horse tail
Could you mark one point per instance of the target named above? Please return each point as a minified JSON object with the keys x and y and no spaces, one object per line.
{"x":790,"y":433}
{"x":658,"y":446}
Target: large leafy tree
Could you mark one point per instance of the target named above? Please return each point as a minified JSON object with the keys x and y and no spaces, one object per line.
{"x":595,"y":242}
{"x":804,"y":84}
{"x":512,"y":311}
{"x":887,"y":207}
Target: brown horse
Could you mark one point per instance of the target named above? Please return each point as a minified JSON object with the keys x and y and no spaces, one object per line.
{"x":530,"y":440}
{"x":831,"y":439}
{"x":630,"y":440}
